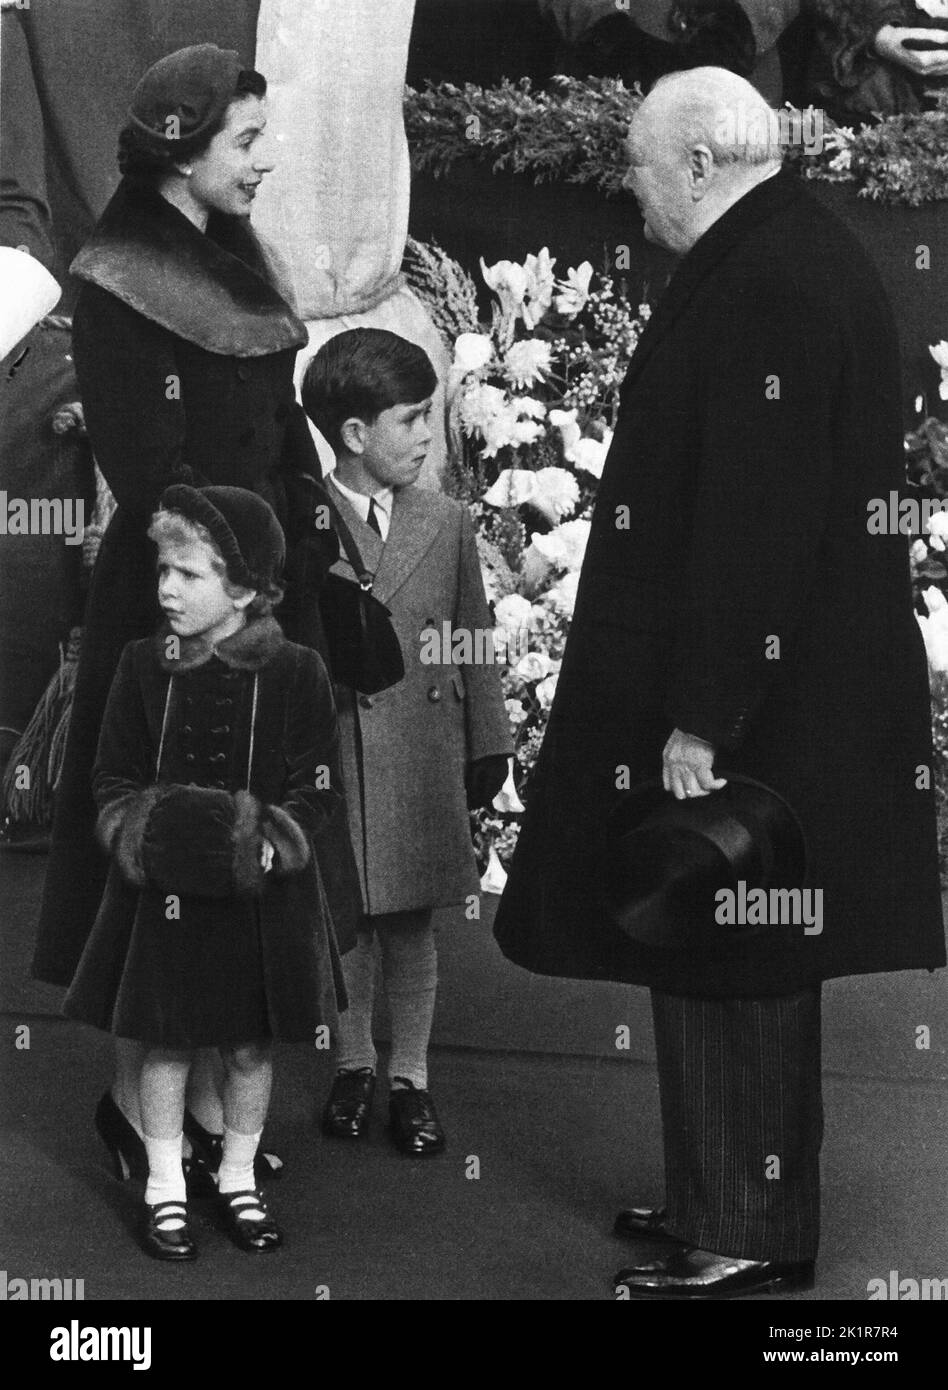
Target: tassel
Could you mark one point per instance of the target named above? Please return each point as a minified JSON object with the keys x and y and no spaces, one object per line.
{"x":41,"y":746}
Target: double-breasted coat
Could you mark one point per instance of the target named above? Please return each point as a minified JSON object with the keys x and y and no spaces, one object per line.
{"x":184,"y":354}
{"x":405,"y":750}
{"x":194,"y":945}
{"x":759,"y":418}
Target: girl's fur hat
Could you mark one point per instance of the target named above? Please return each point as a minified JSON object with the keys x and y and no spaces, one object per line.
{"x":243,"y":526}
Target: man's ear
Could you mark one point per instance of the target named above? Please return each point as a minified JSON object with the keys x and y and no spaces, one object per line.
{"x":700,"y":171}
{"x":352,"y":434}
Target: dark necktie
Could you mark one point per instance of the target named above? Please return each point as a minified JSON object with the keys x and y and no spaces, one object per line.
{"x":373,"y":518}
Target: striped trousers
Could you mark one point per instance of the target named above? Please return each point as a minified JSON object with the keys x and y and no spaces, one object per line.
{"x":742,"y":1122}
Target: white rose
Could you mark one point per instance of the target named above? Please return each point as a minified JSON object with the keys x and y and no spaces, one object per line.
{"x":557,"y":492}
{"x":565,"y":545}
{"x":533,"y":667}
{"x":937,"y":530}
{"x":514,"y":612}
{"x":527,"y":362}
{"x":515,"y":712}
{"x":472,"y":351}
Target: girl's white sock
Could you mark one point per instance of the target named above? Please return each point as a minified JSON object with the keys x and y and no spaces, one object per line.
{"x":165,"y":1174}
{"x":236,"y":1171}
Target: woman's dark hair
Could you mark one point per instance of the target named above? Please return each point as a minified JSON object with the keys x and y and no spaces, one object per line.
{"x":360,"y":373}
{"x":143,"y":163}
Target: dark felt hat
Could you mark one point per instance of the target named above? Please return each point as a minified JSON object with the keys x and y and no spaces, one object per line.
{"x":244,"y":527}
{"x":183,"y":96}
{"x":666,"y":860}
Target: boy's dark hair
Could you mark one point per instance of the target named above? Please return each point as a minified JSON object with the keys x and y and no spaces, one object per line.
{"x":360,"y":373}
{"x":140,"y":162}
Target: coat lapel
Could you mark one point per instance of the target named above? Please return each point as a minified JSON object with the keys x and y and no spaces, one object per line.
{"x":412,"y":532}
{"x":767,"y":200}
{"x":368,"y":541}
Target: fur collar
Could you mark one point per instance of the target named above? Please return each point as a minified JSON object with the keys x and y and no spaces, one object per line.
{"x":212,"y":288}
{"x":247,"y":650}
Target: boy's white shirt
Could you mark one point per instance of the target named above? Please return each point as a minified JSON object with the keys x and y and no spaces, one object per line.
{"x":360,"y":500}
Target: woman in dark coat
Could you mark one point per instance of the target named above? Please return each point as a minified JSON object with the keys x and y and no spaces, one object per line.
{"x":184,"y":354}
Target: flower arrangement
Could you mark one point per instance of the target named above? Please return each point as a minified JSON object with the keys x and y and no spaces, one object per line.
{"x":533,"y":399}
{"x":574,"y":131}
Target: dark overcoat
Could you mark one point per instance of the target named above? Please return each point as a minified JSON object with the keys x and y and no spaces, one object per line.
{"x":184,"y":353}
{"x":405,"y":750}
{"x":194,"y":945}
{"x":759,"y":417}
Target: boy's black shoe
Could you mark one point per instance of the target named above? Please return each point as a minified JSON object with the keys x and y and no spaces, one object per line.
{"x":347,"y":1111}
{"x":413,"y":1121}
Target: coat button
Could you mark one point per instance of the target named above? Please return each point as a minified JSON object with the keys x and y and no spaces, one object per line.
{"x":188,"y":729}
{"x":218,"y":786}
{"x":221,"y":729}
{"x":365,"y":702}
{"x":243,"y":371}
{"x":189,"y":758}
{"x":218,"y":758}
{"x":434,"y":694}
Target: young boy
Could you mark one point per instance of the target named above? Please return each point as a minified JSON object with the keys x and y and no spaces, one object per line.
{"x":418,"y":755}
{"x":217,"y":764}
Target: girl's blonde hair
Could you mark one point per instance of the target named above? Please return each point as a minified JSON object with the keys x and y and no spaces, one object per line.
{"x":173,"y":528}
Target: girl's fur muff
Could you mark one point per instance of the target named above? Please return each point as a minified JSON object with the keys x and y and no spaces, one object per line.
{"x":200,"y":841}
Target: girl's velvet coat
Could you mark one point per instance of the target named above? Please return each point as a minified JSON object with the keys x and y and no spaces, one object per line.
{"x":250,"y":955}
{"x":184,"y":354}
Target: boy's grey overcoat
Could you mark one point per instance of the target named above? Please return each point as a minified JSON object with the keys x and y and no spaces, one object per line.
{"x":404,"y":751}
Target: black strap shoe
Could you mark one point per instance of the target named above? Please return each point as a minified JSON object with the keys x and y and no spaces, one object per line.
{"x":249,"y":1223}
{"x":349,"y":1106}
{"x":165,"y":1233}
{"x":691,"y":1273}
{"x":413,"y":1121}
{"x":207,"y":1149}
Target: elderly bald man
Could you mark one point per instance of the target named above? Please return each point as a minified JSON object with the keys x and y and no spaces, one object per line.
{"x":735,"y":616}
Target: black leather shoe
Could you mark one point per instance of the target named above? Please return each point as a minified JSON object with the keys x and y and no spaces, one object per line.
{"x":207,"y":1148}
{"x":125,"y":1146}
{"x":349,"y":1106}
{"x":165,"y":1233}
{"x":691,"y":1273}
{"x":637,"y":1222}
{"x":256,"y":1233}
{"x":413,"y":1122}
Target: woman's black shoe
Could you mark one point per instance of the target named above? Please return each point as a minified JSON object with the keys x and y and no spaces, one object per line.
{"x":206,"y":1152}
{"x":129,"y":1159}
{"x":256,"y":1233}
{"x":413,"y":1121}
{"x":165,"y":1233}
{"x":347,"y":1111}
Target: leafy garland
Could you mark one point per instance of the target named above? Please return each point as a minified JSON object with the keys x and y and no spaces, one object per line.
{"x":574,"y":131}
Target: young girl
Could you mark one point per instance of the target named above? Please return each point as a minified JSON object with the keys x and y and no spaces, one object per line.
{"x":217,"y":762}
